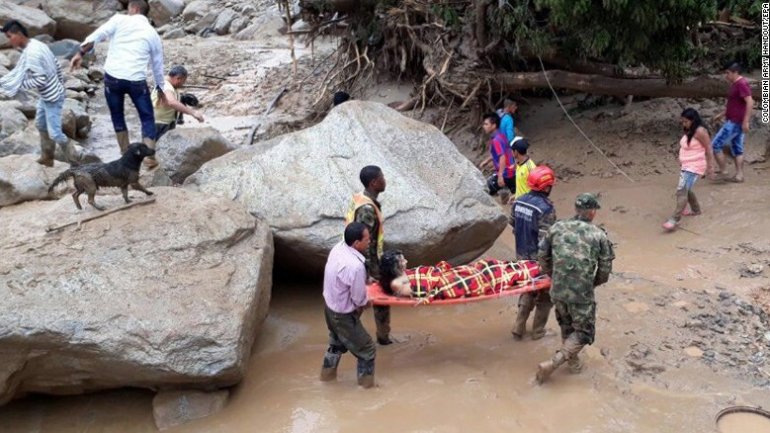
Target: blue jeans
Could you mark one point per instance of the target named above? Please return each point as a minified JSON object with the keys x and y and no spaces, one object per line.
{"x":687,"y":180}
{"x":115,"y":91}
{"x":48,"y":119}
{"x":732,"y":133}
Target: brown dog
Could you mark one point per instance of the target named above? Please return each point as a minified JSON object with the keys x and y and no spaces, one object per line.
{"x":121,"y":173}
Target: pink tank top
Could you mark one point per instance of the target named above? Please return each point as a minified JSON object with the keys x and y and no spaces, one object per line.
{"x":692,"y":155}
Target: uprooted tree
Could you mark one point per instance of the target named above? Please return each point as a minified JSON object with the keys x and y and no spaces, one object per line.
{"x":465,"y":50}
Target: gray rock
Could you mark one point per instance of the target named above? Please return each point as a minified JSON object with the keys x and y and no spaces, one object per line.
{"x":76,"y":122}
{"x":238,"y":24}
{"x":22,"y":179}
{"x":11,"y":119}
{"x":76,"y":19}
{"x":35,"y":20}
{"x":195,"y":10}
{"x":301,"y":183}
{"x":4,"y":61}
{"x":183,"y":151}
{"x":225,"y":18}
{"x":163,"y":11}
{"x":206,"y":22}
{"x":173,"y":408}
{"x":4,"y":42}
{"x":170,"y":294}
{"x":175,"y":34}
{"x":66,"y":48}
{"x":21,"y":142}
{"x":12,"y":57}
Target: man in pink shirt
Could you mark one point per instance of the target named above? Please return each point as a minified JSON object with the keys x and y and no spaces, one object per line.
{"x":345,"y":298}
{"x":737,"y":115}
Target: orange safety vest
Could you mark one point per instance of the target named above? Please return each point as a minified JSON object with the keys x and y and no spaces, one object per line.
{"x":360,"y":199}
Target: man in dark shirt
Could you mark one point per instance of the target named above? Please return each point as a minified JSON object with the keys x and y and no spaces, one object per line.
{"x":532,"y":215}
{"x":365,"y":208}
{"x":737,"y":115}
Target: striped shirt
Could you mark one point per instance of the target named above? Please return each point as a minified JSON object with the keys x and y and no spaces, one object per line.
{"x":134,"y":44}
{"x":37,"y":69}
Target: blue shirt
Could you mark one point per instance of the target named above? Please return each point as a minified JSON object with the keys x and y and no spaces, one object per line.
{"x":507,"y":126}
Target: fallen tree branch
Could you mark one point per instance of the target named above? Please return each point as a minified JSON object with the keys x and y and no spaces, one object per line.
{"x":100,"y":215}
{"x":255,"y":128}
{"x":697,"y":87}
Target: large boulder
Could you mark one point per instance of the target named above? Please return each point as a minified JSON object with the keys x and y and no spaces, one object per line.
{"x":76,"y":19}
{"x":22,"y":179}
{"x":164,"y":295}
{"x":435,"y":206}
{"x":163,"y":11}
{"x":35,"y":20}
{"x":184,"y":150}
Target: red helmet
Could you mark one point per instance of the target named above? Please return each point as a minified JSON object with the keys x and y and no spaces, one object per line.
{"x":540,"y":178}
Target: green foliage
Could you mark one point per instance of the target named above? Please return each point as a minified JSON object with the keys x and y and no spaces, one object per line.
{"x":448,"y":14}
{"x":517,"y":21}
{"x":746,"y":9}
{"x":653,"y":32}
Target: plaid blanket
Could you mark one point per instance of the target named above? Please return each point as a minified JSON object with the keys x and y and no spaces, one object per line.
{"x":482,"y":277}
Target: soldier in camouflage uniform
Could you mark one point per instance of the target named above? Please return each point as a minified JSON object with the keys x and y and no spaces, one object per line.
{"x":365,"y":208}
{"x":578,"y":256}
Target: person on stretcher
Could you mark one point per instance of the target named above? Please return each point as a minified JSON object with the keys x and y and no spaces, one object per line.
{"x":444,"y":281}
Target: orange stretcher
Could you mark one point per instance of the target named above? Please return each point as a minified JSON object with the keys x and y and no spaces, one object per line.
{"x":379,"y":297}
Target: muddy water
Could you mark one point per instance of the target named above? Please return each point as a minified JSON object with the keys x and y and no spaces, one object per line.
{"x":741,"y":422}
{"x":457,"y":369}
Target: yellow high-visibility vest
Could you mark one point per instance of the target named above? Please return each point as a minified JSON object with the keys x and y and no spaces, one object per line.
{"x":360,"y":199}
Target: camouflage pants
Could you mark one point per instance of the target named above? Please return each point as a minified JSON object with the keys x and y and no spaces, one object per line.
{"x":347,"y":333}
{"x":382,"y":321}
{"x":579,"y":319}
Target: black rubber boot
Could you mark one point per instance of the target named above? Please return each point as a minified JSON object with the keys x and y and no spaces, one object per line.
{"x":329,"y":369}
{"x":366,"y":373}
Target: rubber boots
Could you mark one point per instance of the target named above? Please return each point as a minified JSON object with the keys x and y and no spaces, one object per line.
{"x":329,"y":369}
{"x":538,"y":323}
{"x":123,"y":141}
{"x":47,"y":150}
{"x":526,"y":304}
{"x":366,"y":373}
{"x":149,"y":161}
{"x":569,"y":350}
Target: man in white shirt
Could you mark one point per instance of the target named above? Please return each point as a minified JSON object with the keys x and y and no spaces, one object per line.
{"x":134,"y":44}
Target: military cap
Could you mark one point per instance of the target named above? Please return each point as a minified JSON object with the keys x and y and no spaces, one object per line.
{"x":587,"y":200}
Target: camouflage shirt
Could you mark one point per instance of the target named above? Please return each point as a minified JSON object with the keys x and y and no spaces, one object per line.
{"x":367,"y":215}
{"x":578,"y":256}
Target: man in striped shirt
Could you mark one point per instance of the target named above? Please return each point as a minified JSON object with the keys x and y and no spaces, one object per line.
{"x":38,"y":69}
{"x":134,"y":44}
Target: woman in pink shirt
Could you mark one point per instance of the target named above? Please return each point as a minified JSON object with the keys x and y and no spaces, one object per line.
{"x":697,"y":159}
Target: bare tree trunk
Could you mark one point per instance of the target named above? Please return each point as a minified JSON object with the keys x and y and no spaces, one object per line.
{"x":481,"y":22}
{"x":697,"y":87}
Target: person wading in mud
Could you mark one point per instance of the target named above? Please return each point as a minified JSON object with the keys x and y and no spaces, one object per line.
{"x":736,"y":126}
{"x":365,"y":208}
{"x":532,"y":215}
{"x":345,"y":296}
{"x":697,"y":159}
{"x":578,"y":256}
